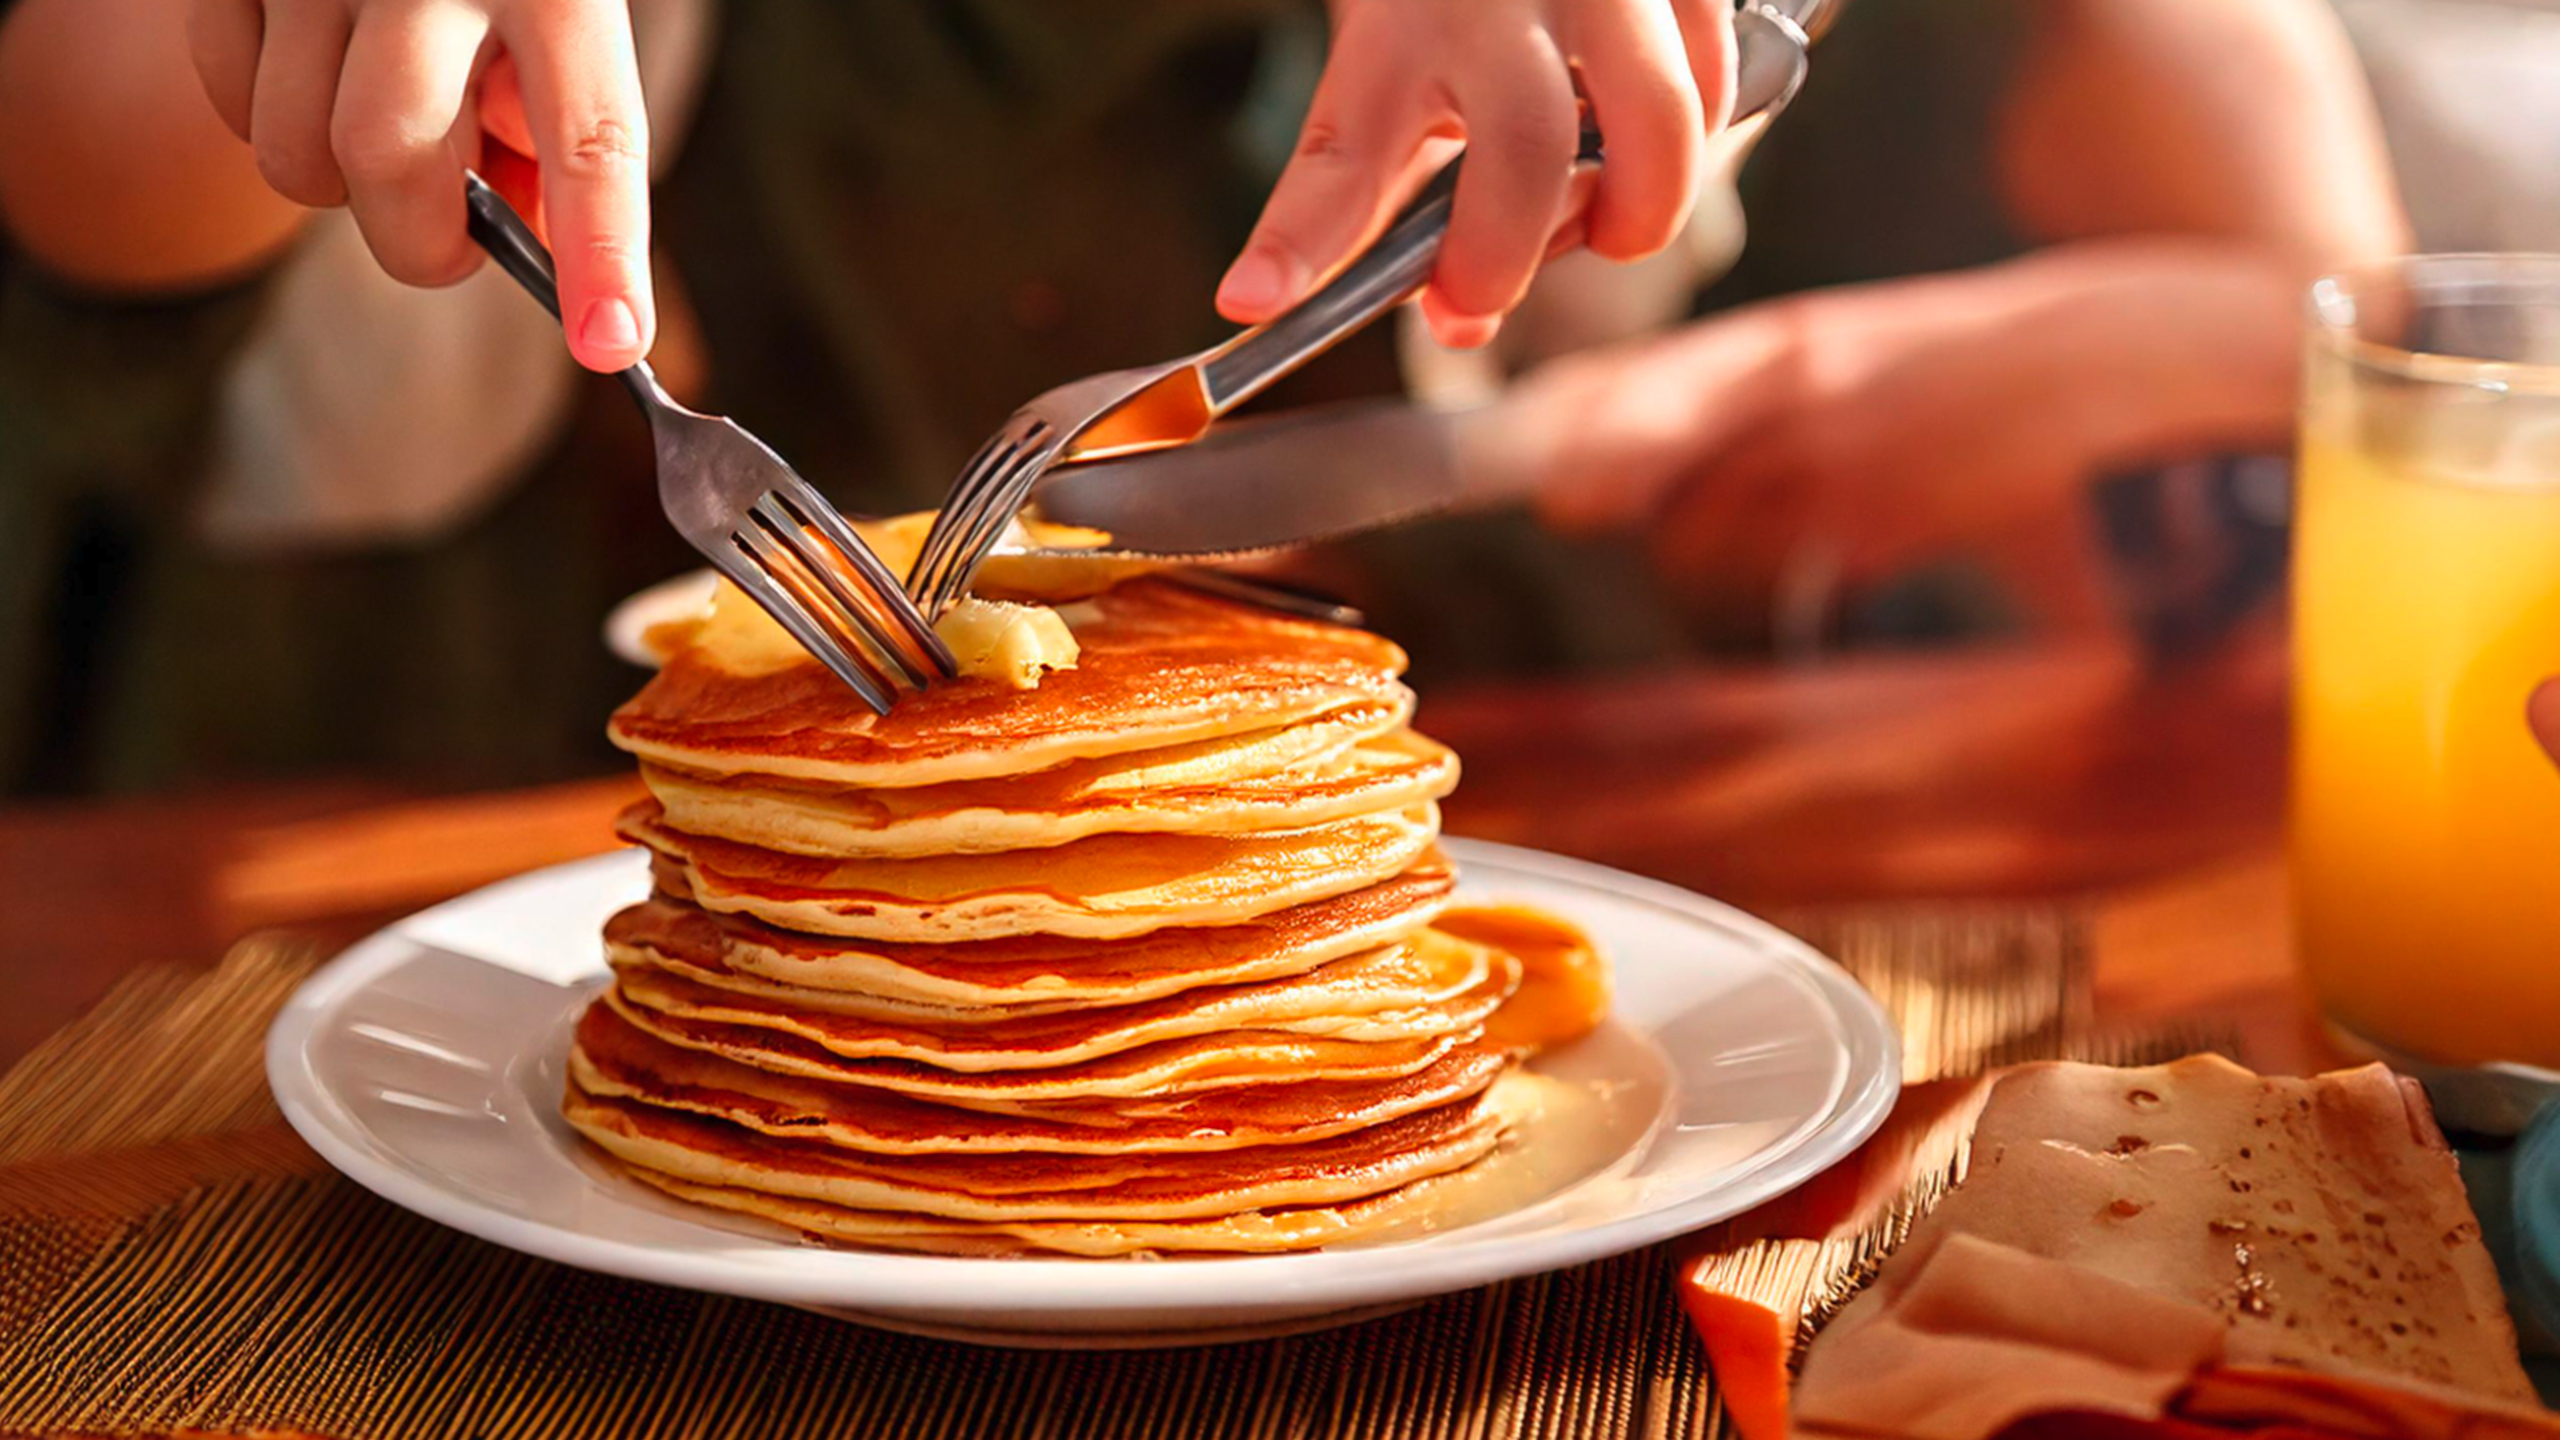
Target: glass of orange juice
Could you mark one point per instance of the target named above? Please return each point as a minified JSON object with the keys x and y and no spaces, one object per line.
{"x":2426,"y":591}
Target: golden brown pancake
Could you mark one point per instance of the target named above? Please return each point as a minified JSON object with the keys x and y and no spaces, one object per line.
{"x":1254,"y":1232}
{"x":1202,"y":762}
{"x":1026,"y":973}
{"x":1149,"y":1072}
{"x":1138,"y":957}
{"x":616,"y":1060}
{"x":1023,"y":1186}
{"x":1104,"y":886}
{"x":1396,"y":992}
{"x":1385,"y":772}
{"x":1160,"y":665}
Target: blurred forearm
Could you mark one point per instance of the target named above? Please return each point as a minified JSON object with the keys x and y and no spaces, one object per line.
{"x":1899,"y":421}
{"x":1896,"y":417}
{"x":115,"y":172}
{"x":2088,"y":354}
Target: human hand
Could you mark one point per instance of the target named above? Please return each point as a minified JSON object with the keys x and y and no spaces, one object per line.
{"x":379,"y":105}
{"x":1409,"y":81}
{"x":1885,"y":423}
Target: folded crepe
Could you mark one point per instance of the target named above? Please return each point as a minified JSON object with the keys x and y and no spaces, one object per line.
{"x":2185,"y":1249}
{"x":1753,"y":1284}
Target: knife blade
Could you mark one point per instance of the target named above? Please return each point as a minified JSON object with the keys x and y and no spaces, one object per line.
{"x":1323,"y":473}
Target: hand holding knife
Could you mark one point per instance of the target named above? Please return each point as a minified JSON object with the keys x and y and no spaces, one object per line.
{"x":1150,"y":465}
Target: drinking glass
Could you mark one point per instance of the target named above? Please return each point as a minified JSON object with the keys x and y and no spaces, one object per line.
{"x":2426,"y":608}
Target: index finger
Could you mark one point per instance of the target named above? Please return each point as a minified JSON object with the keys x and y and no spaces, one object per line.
{"x":581,"y":84}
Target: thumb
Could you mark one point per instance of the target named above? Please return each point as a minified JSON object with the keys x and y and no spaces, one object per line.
{"x":2542,"y":712}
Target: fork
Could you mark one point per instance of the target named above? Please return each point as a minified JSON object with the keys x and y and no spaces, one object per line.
{"x":732,"y":498}
{"x":1123,"y":412}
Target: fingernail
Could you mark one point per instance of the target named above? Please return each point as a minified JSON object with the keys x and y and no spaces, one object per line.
{"x":1470,"y":332}
{"x":609,"y":325}
{"x":1257,"y":285}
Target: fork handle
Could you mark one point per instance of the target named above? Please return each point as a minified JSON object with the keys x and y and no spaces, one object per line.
{"x":1771,"y":37}
{"x":502,"y":232}
{"x":1377,"y":280}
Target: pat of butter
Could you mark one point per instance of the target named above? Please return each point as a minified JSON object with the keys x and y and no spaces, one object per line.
{"x":1012,"y":644}
{"x":1007,"y":643}
{"x":994,"y":640}
{"x":739,"y":637}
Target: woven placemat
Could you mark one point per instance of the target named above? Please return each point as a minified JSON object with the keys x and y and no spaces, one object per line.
{"x":172,"y":1259}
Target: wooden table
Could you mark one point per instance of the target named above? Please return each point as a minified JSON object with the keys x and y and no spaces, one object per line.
{"x":2065,"y":770}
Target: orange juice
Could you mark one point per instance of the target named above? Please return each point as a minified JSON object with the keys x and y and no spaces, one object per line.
{"x":2426,"y":821}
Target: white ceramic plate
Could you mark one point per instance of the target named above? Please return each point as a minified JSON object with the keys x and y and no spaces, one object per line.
{"x":678,"y":597}
{"x":426,"y":1063}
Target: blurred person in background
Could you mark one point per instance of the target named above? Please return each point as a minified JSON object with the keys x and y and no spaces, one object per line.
{"x":294,"y":515}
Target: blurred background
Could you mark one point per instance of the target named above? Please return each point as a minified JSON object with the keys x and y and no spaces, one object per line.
{"x":1993,"y":340}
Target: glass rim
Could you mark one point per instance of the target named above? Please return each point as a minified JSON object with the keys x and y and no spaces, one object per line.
{"x":2331,"y":305}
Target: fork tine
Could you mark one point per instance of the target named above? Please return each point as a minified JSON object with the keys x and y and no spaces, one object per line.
{"x":752,"y":571}
{"x":1000,"y":496}
{"x":939,"y":589}
{"x":1004,"y":492}
{"x":985,"y":486}
{"x":819,"y":572}
{"x":937,"y":535}
{"x":959,"y":512}
{"x":887,"y":593}
{"x":806,"y":567}
{"x":896,"y":628}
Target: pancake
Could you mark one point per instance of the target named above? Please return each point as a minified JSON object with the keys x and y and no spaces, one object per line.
{"x":1028,"y":973}
{"x":1159,"y":665}
{"x":1386,"y":976}
{"x":1014,"y":1187}
{"x":1254,"y":1232}
{"x":614,"y":1059}
{"x":1169,"y":1068}
{"x":1101,"y":887}
{"x":1385,"y":772}
{"x":1129,"y":947}
{"x":1135,"y":773}
{"x":1396,"y":992}
{"x":1034,"y":1055}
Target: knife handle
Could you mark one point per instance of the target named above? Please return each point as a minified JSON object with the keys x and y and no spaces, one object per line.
{"x":1770,"y":64}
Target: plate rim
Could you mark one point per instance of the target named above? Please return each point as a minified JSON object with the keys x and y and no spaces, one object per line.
{"x":1336,"y":1279}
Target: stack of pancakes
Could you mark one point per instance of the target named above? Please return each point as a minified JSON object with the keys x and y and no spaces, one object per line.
{"x":1139,"y":960}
